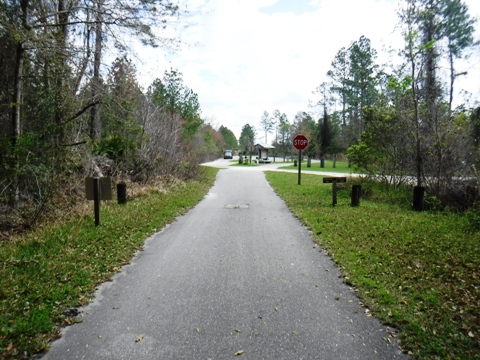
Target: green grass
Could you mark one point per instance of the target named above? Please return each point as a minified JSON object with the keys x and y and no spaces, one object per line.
{"x":58,"y":267}
{"x":245,"y":163}
{"x":341,"y":167}
{"x":416,"y":271}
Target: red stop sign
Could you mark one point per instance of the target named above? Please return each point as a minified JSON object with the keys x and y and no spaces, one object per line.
{"x":300,"y":142}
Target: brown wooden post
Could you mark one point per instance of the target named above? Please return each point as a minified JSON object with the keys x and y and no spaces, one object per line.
{"x":96,"y":201}
{"x":334,"y":192}
{"x":418,"y":194}
{"x":334,"y":181}
{"x":122,"y":193}
{"x":356,"y":192}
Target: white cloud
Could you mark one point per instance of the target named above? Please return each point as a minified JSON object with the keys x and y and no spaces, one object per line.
{"x":250,"y":59}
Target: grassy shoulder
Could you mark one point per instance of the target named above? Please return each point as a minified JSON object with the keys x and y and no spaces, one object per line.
{"x":236,"y":163}
{"x":341,"y":167}
{"x":415,"y":271}
{"x":53,"y":269}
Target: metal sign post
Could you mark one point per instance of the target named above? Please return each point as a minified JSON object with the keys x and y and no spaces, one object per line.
{"x":300,"y":142}
{"x":299,"y":167}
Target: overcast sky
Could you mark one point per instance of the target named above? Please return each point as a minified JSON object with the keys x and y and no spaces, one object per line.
{"x":253,"y":56}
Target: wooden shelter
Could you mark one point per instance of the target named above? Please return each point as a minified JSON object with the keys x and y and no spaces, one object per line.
{"x":263,"y":153}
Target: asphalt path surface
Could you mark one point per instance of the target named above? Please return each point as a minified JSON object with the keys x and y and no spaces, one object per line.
{"x":238,"y":276}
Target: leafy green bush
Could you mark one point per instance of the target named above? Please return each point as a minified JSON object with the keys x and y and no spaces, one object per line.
{"x":473,"y":220}
{"x":113,"y":146}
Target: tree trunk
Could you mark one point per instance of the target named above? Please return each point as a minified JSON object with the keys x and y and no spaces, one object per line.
{"x":17,"y":100}
{"x":94,"y":113}
{"x":417,"y":128}
{"x":16,"y":117}
{"x":411,"y":58}
{"x":18,"y":78}
{"x":430,"y":65}
{"x":17,"y":93}
{"x":63,"y":15}
{"x":85,"y":60}
{"x":452,"y":79}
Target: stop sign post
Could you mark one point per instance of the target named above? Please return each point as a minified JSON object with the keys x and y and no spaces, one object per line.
{"x":300,"y":142}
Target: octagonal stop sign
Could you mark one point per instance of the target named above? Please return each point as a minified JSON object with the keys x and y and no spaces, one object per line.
{"x":300,"y":142}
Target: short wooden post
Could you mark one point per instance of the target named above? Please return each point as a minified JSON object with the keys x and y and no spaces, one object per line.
{"x":122,"y":193}
{"x":356,"y":191}
{"x":334,"y":195}
{"x":418,"y":195}
{"x":96,"y":201}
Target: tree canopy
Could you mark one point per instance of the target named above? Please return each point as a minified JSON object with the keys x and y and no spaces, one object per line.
{"x":66,"y":114}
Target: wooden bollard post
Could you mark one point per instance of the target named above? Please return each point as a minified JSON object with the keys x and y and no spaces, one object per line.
{"x":122,"y":193}
{"x":418,"y":195}
{"x":334,"y":193}
{"x":356,"y":192}
{"x":96,"y":201}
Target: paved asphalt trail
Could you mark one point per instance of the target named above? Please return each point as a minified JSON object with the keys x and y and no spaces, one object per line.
{"x":236,"y":273}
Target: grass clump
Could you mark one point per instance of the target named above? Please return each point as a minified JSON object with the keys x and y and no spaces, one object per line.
{"x":415,"y":271}
{"x":58,"y":267}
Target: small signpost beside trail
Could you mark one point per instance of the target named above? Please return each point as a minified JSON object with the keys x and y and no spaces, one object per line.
{"x":98,"y":189}
{"x":300,"y":142}
{"x":334,"y":181}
